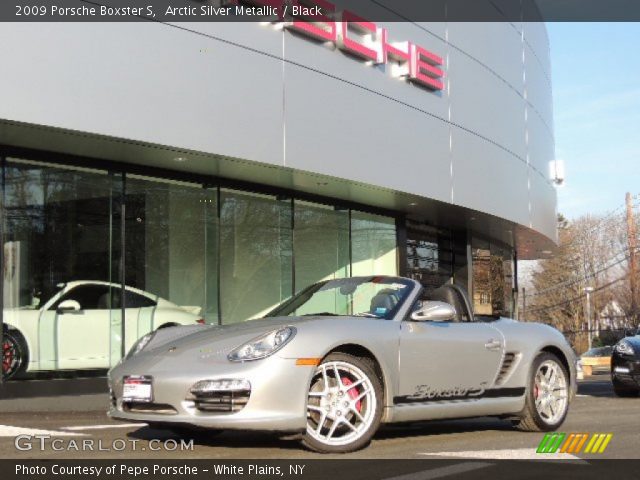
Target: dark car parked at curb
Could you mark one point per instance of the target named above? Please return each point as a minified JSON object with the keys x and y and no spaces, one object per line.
{"x":625,"y":366}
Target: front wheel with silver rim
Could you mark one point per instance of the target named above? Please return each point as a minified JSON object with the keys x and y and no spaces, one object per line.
{"x":344,"y":404}
{"x":547,"y":394}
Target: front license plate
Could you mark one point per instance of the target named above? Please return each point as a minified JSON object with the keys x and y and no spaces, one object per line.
{"x":137,"y":389}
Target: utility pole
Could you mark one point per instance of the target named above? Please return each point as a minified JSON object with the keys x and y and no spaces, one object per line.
{"x":633,"y":261}
{"x":588,"y":291}
{"x":524,"y":305}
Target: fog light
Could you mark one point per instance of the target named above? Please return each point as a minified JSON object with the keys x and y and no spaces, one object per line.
{"x":220,"y":396}
{"x":621,"y":370}
{"x":224,"y":385}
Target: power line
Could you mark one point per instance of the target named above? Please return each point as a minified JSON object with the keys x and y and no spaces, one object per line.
{"x":593,"y":228}
{"x":573,"y":281}
{"x":576,"y":298}
{"x":619,"y":210}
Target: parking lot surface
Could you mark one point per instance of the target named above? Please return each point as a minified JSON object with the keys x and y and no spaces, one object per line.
{"x":595,"y":410}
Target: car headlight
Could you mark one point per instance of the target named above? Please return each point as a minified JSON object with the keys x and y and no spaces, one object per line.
{"x":262,"y":346}
{"x":140,"y":344}
{"x":624,"y":348}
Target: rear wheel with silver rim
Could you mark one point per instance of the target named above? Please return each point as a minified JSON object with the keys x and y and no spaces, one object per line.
{"x":344,"y":404}
{"x":547,"y":400}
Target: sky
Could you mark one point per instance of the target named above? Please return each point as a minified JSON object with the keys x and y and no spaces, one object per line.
{"x":595,"y":70}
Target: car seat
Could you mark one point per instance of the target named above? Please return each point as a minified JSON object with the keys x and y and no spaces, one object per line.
{"x":383,"y":302}
{"x":455,"y":296}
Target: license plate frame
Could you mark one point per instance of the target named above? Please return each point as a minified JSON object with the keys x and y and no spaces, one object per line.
{"x":137,"y":389}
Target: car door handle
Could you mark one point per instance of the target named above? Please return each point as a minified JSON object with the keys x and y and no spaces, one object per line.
{"x":493,"y":345}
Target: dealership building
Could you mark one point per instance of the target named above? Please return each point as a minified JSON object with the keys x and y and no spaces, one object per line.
{"x":225,"y":166}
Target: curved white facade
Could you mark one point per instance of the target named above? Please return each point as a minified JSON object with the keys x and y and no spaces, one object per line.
{"x":256,"y":103}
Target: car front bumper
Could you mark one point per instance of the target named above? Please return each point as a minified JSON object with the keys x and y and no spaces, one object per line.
{"x":276,"y":401}
{"x":627,"y":372}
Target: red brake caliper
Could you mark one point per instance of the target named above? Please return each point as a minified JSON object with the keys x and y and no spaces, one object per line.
{"x":7,"y":357}
{"x":353,"y":393}
{"x":536,"y":391}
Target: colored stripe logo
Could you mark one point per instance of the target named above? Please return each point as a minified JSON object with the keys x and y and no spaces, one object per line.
{"x":574,"y":443}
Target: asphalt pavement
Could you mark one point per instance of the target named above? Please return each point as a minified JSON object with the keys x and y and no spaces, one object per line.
{"x":595,"y":410}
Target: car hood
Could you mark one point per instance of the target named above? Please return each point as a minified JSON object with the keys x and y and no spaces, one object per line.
{"x":175,"y":347}
{"x":213,"y":340}
{"x":635,"y":343}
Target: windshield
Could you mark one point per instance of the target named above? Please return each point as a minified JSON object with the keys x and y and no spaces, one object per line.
{"x":599,"y":352}
{"x":374,"y":297}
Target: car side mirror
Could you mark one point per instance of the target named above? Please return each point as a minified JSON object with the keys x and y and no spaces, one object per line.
{"x":69,"y":306}
{"x":434,"y":312}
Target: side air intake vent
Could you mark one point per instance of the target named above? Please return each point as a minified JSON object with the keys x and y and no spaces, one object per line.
{"x":508,"y":362}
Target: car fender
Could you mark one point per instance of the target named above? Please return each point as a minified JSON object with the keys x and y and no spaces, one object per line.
{"x":527,"y":340}
{"x":28,"y":329}
{"x":380,"y":337}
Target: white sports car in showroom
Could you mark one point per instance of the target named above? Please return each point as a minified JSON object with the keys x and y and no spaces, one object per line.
{"x":80,"y":327}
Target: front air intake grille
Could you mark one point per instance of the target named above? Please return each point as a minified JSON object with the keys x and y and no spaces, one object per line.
{"x":142,"y":407}
{"x":221,"y":402}
{"x":505,"y":369}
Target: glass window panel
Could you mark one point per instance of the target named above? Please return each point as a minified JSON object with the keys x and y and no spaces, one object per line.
{"x":58,"y":238}
{"x":492,"y":278}
{"x":461,"y":262}
{"x":171,"y":251}
{"x":429,"y":255}
{"x":255,"y":254}
{"x":481,"y":257}
{"x":373,"y":245}
{"x":321,"y":245}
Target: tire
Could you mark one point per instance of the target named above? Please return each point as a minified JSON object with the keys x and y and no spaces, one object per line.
{"x":547,"y":403}
{"x":344,"y":405}
{"x":623,"y":390}
{"x":15,"y":355}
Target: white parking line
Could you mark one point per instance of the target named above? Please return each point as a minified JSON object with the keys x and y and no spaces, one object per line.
{"x":442,"y":471}
{"x":507,"y":454}
{"x":80,"y":428}
{"x":11,"y":431}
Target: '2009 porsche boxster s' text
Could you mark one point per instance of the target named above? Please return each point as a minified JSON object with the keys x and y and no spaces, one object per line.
{"x":343,"y":356}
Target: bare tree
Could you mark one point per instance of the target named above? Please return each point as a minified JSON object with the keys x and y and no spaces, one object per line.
{"x":591,"y":254}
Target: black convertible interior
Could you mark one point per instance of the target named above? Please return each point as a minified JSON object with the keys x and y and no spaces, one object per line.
{"x":453,"y":295}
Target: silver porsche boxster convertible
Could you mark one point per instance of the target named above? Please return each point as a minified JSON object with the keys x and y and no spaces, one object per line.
{"x":341,"y":357}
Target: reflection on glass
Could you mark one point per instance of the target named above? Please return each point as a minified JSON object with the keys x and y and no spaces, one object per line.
{"x":429,"y":255}
{"x":171,"y":243}
{"x":189,"y":255}
{"x":373,"y":245}
{"x":321,"y":245}
{"x":57,"y":230}
{"x":492,"y":279}
{"x":255,"y":254}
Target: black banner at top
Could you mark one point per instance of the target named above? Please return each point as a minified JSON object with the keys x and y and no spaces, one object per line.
{"x":319,"y":10}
